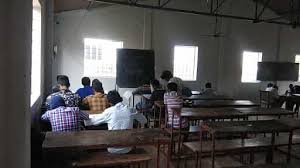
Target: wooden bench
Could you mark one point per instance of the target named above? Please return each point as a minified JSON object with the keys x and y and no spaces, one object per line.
{"x":267,"y":166}
{"x":237,"y":145}
{"x":106,"y":159}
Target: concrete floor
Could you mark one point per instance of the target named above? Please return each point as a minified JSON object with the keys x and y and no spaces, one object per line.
{"x":228,"y":160}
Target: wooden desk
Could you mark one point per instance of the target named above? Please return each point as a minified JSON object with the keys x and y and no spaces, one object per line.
{"x":100,"y":139}
{"x":243,"y":128}
{"x":257,"y":111}
{"x":223,"y":103}
{"x":201,"y":97}
{"x":291,"y":122}
{"x":211,"y":113}
{"x":268,"y":166}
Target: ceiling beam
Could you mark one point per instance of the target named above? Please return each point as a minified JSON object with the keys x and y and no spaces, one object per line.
{"x":192,"y":12}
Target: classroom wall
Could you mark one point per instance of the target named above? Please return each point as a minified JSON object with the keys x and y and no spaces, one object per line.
{"x":115,"y":23}
{"x":289,"y":48}
{"x":220,"y":59}
{"x":240,"y":36}
{"x":15,"y":43}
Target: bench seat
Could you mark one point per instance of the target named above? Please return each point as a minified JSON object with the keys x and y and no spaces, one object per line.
{"x":106,"y":159}
{"x":236,"y":144}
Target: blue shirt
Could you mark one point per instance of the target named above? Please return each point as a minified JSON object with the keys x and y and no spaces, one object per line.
{"x":85,"y":91}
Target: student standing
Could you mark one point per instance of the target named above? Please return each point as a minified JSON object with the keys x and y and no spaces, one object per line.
{"x":87,"y":89}
{"x":117,"y":117}
{"x":64,"y":118}
{"x":167,"y":77}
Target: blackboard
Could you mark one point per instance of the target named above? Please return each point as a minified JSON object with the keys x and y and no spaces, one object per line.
{"x":277,"y":71}
{"x":134,"y":67}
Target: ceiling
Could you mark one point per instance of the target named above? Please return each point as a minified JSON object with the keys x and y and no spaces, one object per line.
{"x":281,"y":7}
{"x":68,"y":5}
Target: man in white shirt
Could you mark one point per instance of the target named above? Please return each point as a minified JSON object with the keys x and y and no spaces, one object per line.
{"x":209,"y":91}
{"x":117,"y":117}
{"x":167,"y":77}
{"x":269,"y":87}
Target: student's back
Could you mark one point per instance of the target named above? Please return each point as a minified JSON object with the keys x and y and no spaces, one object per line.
{"x":117,"y":117}
{"x":64,"y":118}
{"x":157,"y":95}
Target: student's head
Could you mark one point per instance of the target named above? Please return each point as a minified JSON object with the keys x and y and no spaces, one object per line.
{"x":58,"y":76}
{"x":97,"y":87}
{"x":63,"y":83}
{"x":208,"y":85}
{"x":114,"y":97}
{"x":166,"y":75}
{"x":86,"y":81}
{"x":96,"y":81}
{"x":172,"y":87}
{"x":154,"y":84}
{"x":291,"y":86}
{"x":56,"y":102}
{"x":275,"y":87}
{"x":270,"y":85}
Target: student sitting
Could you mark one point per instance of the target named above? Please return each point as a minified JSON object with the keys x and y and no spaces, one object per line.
{"x":118,"y":117}
{"x":64,"y":118}
{"x":87,"y":89}
{"x":157,"y":94}
{"x":269,"y":87}
{"x":55,"y":88}
{"x":209,"y":91}
{"x":174,"y":104}
{"x":290,"y":91}
{"x":97,"y":102}
{"x":71,"y":99}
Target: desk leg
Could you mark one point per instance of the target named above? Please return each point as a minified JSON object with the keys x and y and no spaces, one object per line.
{"x":169,"y":155}
{"x":158,"y":157}
{"x":200,"y":153}
{"x":213,"y":151}
{"x":290,"y":146}
{"x":270,"y":157}
{"x":159,"y":118}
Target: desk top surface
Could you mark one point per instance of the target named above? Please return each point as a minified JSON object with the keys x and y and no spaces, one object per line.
{"x":202,"y":97}
{"x":253,"y":111}
{"x":99,"y":139}
{"x":211,"y":113}
{"x":260,"y":126}
{"x":224,"y":103}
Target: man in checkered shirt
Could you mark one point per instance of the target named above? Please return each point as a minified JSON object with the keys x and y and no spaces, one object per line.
{"x":71,"y":99}
{"x":64,"y":118}
{"x":97,"y":102}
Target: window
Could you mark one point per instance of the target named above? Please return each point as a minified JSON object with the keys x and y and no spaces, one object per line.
{"x":297,"y":60}
{"x":185,"y":62}
{"x":36,"y":53}
{"x":249,"y":71}
{"x":100,"y":57}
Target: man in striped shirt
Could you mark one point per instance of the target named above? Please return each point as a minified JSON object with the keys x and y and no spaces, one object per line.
{"x":64,"y":118}
{"x":174,"y":104}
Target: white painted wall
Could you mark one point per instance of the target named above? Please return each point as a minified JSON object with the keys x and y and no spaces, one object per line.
{"x":219,"y":59}
{"x":115,"y":23}
{"x":15,"y":42}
